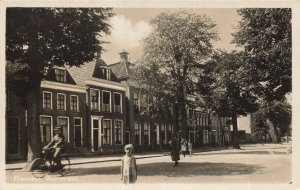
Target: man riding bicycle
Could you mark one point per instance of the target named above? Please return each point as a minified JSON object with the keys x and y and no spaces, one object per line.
{"x":56,"y":145}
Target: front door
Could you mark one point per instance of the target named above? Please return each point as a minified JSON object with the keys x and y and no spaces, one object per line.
{"x":78,"y":132}
{"x":12,"y":136}
{"x":96,"y":140}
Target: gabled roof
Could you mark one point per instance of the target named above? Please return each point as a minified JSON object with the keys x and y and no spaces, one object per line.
{"x":88,"y":71}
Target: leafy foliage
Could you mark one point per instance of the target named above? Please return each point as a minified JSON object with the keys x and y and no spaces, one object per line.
{"x":56,"y":36}
{"x":227,"y":86}
{"x":173,"y":54}
{"x":279,"y":113}
{"x":265,"y":35}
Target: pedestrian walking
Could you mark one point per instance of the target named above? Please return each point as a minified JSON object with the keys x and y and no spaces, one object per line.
{"x":183,"y":147}
{"x":174,"y":149}
{"x":128,"y":166}
{"x":190,"y":147}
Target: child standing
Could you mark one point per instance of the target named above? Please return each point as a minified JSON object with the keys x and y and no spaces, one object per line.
{"x":128,"y":166}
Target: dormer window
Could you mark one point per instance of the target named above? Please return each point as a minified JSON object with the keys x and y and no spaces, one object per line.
{"x":105,"y":73}
{"x":60,"y":75}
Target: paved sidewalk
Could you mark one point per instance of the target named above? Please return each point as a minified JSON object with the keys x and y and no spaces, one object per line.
{"x":250,"y":148}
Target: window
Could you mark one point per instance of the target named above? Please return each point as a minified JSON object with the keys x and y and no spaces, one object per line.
{"x":74,"y":106}
{"x":60,"y":75}
{"x":136,"y":103}
{"x":63,"y":122}
{"x":137,"y":133}
{"x":95,"y":104}
{"x":118,"y":132}
{"x":45,"y":127}
{"x":146,"y":133}
{"x":77,"y":132}
{"x":163,"y":133}
{"x":157,"y":134}
{"x":105,"y":73}
{"x":47,"y":100}
{"x":106,"y":101}
{"x":106,"y":132}
{"x":118,"y":103}
{"x":169,"y":133}
{"x":61,"y":101}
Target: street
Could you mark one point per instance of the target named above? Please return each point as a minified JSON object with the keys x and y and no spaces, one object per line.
{"x":269,"y":163}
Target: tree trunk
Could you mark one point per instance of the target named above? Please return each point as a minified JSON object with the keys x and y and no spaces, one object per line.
{"x":182,"y":111}
{"x":33,"y":101}
{"x":33,"y":128}
{"x":235,"y":140}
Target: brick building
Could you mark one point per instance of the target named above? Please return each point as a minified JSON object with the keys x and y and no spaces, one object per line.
{"x":98,"y":107}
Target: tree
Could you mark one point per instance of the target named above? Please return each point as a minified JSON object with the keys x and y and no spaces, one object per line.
{"x":269,"y":51}
{"x":179,"y":44}
{"x":227,"y":87}
{"x":265,"y":35}
{"x":40,"y":38}
{"x":278,"y":114}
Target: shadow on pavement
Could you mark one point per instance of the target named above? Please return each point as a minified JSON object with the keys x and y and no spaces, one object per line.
{"x":183,"y":170}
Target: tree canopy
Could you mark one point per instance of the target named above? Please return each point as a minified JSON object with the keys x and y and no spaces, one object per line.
{"x":43,"y":37}
{"x":179,"y":44}
{"x":228,"y":87}
{"x":265,"y":35}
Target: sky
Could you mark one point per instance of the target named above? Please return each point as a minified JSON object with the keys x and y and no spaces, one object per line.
{"x":131,"y":25}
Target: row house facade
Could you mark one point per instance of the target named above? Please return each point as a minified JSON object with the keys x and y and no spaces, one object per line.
{"x":97,"y":107}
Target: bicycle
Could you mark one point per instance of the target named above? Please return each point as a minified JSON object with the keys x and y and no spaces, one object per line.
{"x":45,"y":164}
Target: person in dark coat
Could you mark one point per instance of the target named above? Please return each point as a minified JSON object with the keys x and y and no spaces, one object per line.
{"x":174,"y":149}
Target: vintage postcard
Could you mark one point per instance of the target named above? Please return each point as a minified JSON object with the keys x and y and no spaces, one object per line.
{"x":150,"y":94}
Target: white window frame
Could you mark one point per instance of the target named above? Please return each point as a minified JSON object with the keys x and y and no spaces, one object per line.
{"x":68,"y":122}
{"x":65,"y":74}
{"x":65,"y":102}
{"x":81,"y":130}
{"x":157,"y":128}
{"x":99,"y":100}
{"x":121,"y":101}
{"x":110,"y":121}
{"x":108,"y":73}
{"x":148,"y":129}
{"x":163,"y":125}
{"x":121,"y":130}
{"x":109,"y":99}
{"x":51,"y":102}
{"x":51,"y":126}
{"x":77,"y":103}
{"x":140,"y":131}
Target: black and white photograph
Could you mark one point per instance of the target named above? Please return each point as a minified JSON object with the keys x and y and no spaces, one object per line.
{"x":121,"y":95}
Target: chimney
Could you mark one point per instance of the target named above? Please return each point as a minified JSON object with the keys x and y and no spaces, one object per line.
{"x":124,"y":56}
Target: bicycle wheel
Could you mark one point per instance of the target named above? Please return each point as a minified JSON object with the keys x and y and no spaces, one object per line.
{"x":65,"y":166}
{"x":40,"y":168}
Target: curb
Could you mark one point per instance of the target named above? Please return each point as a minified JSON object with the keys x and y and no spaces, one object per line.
{"x":97,"y":161}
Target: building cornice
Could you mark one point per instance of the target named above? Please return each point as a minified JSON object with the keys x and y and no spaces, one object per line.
{"x":106,"y":84}
{"x":62,"y":86}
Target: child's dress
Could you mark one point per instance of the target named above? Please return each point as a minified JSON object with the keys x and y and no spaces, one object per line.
{"x":129,"y":169}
